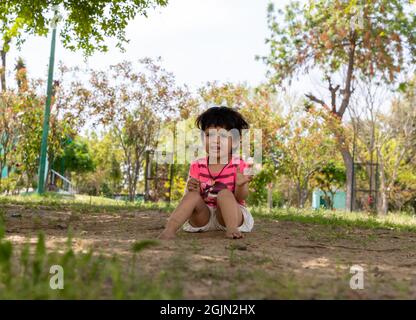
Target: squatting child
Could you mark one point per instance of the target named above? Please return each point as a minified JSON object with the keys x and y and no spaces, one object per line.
{"x":217,"y":185}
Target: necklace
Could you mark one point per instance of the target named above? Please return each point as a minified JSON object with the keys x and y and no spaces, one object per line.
{"x":209,"y":172}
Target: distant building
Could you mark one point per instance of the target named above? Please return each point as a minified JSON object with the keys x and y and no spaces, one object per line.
{"x":318,"y":200}
{"x":4,"y":172}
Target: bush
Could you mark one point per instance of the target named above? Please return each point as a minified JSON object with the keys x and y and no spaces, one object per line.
{"x":11,"y":184}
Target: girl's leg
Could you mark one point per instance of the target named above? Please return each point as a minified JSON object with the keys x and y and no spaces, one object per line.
{"x":229,"y":214}
{"x":191,"y":207}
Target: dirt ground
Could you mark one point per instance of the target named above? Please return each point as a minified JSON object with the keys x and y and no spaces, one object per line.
{"x":278,"y":260}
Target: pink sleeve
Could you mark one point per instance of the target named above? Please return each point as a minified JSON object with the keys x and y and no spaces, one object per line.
{"x":194,"y":170}
{"x":243,"y":165}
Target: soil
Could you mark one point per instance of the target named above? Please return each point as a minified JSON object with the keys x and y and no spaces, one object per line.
{"x":278,"y":260}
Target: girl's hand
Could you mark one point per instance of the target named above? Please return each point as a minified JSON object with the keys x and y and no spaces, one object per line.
{"x":193,"y":184}
{"x":245,"y":177}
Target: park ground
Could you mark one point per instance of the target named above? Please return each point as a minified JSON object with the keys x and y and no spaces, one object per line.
{"x":291,"y":254}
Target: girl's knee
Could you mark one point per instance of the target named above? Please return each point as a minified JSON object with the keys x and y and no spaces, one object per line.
{"x":224,"y":193}
{"x":192,"y":194}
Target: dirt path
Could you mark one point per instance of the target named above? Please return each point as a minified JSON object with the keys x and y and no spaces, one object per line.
{"x":279,"y":260}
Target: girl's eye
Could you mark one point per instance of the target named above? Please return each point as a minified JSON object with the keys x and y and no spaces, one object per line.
{"x":212,"y":135}
{"x":215,"y":135}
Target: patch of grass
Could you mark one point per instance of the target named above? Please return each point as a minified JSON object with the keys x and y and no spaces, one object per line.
{"x":195,"y":247}
{"x":25,"y":273}
{"x":88,"y":204}
{"x":392,"y":221}
{"x":262,"y":285}
{"x":82,"y":203}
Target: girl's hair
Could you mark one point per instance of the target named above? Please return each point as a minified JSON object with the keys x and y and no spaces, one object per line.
{"x":223,"y":117}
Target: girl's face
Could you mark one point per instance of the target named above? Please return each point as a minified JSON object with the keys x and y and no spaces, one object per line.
{"x":218,"y":143}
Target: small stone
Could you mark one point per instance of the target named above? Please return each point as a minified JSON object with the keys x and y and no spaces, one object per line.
{"x":62,"y":226}
{"x":16,"y":215}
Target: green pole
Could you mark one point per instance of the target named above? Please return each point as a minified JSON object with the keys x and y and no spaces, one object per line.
{"x":44,"y":146}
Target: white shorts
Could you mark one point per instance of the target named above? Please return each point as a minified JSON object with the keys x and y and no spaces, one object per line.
{"x":213,"y":224}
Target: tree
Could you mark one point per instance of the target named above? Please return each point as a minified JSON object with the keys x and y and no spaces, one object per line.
{"x":66,"y":119}
{"x":9,"y":123}
{"x":387,"y":137}
{"x":67,"y":115}
{"x":115,"y":173}
{"x":76,"y":157}
{"x":29,"y":128}
{"x":29,"y":138}
{"x":259,"y":106}
{"x":21,"y":115}
{"x":307,"y":147}
{"x":133,"y":102}
{"x":106,"y":157}
{"x":344,"y":40}
{"x":329,"y":178}
{"x":396,"y":144}
{"x":86,"y":23}
{"x":21,"y":75}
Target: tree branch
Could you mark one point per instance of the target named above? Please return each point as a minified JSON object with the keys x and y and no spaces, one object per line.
{"x":333,"y":91}
{"x":311,"y":97}
{"x":347,"y":89}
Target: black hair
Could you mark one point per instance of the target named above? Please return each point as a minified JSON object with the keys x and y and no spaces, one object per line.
{"x":223,"y":117}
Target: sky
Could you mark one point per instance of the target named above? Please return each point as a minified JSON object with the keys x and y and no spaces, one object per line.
{"x":198,"y":40}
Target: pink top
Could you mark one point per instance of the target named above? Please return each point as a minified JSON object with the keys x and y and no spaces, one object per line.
{"x":213,"y":182}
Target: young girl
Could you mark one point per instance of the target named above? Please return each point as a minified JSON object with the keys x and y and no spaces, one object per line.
{"x":216,"y":192}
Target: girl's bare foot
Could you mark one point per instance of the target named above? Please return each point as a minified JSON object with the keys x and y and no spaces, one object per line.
{"x":233,"y":234}
{"x":167,"y":235}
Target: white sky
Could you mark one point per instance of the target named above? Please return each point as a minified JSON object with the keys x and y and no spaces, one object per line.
{"x":198,"y":40}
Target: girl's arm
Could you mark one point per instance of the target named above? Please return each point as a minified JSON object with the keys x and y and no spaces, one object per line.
{"x":241,"y":192}
{"x":241,"y":183}
{"x":192,"y":184}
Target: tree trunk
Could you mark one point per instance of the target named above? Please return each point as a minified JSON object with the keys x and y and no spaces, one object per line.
{"x":348,"y":162}
{"x":131,"y":194}
{"x":302,"y":194}
{"x":329,"y":196}
{"x":269,"y":196}
{"x":48,"y":179}
{"x":28,"y":182}
{"x":299,"y":190}
{"x":3,"y":164}
{"x":3,"y":54}
{"x":383,"y":204}
{"x":131,"y":185}
{"x":304,"y":197}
